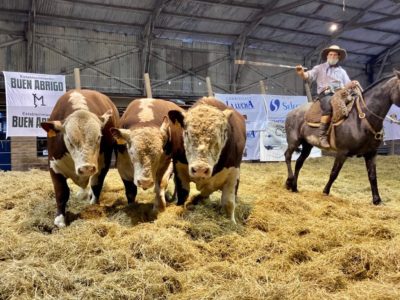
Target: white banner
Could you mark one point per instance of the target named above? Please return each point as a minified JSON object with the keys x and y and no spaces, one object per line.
{"x":30,"y":98}
{"x":392,"y":129}
{"x":252,"y":107}
{"x":252,"y":148}
{"x":278,"y":106}
{"x":273,"y":143}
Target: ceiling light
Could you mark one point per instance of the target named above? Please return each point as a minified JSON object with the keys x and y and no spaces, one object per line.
{"x":333,"y":27}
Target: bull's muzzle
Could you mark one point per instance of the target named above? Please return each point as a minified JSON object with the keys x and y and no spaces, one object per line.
{"x":145,"y":183}
{"x":200,"y":170}
{"x":87,"y":170}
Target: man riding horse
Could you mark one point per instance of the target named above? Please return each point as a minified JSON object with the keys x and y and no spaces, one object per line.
{"x":329,"y":77}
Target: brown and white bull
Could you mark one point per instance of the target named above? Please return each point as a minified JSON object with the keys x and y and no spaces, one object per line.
{"x":214,"y":139}
{"x":80,"y":145}
{"x":145,"y":160}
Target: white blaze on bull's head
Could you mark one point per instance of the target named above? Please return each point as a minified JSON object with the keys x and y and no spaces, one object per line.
{"x":82,"y":132}
{"x":205,"y":132}
{"x":145,"y":146}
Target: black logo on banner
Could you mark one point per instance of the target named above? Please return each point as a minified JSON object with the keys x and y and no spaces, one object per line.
{"x":36,"y":100}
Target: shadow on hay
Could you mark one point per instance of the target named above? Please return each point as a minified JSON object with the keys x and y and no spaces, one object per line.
{"x":208,"y":221}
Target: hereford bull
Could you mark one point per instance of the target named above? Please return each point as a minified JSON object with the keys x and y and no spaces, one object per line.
{"x":214,"y":139}
{"x":80,"y":144}
{"x":145,"y":160}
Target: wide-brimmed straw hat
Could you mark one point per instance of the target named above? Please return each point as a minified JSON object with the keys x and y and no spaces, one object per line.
{"x":342,"y":53}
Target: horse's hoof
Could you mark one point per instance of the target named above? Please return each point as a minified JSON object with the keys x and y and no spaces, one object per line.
{"x":377,"y":201}
{"x":295,"y":190}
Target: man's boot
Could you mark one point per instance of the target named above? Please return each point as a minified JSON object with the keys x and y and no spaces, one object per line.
{"x":323,"y":131}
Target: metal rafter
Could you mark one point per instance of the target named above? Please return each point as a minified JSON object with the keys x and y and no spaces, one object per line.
{"x":195,"y":70}
{"x":186,"y":70}
{"x":148,"y":32}
{"x":346,"y":26}
{"x":85,"y":63}
{"x":268,"y":10}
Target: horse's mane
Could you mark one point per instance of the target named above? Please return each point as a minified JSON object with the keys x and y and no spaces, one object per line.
{"x":372,"y":85}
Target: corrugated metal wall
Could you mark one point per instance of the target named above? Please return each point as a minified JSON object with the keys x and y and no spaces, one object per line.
{"x":112,"y":63}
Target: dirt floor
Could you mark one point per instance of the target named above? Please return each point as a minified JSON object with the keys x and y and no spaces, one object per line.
{"x":285,"y":246}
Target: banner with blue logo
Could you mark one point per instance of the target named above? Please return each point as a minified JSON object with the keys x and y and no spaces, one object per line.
{"x":30,"y":98}
{"x":273,"y":140}
{"x":278,"y":106}
{"x":265,"y":123}
{"x":251,"y":106}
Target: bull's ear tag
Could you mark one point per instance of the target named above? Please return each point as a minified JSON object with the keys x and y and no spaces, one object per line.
{"x":51,"y":133}
{"x":121,"y":141}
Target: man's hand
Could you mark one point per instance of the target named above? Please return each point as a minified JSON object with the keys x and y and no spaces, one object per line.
{"x":299,"y":70}
{"x":352,"y":84}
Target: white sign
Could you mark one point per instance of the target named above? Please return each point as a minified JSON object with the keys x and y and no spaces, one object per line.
{"x":252,"y":148}
{"x":392,"y":129}
{"x":273,"y":143}
{"x":30,"y":98}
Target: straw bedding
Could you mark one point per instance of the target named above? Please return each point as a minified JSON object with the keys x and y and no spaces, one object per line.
{"x":286,"y":245}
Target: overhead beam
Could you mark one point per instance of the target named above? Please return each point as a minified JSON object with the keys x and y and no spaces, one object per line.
{"x":12,"y":42}
{"x":187,"y":71}
{"x":148,"y":32}
{"x":196,"y":70}
{"x":85,"y":63}
{"x":240,"y":42}
{"x":345,"y":27}
{"x":102,"y":60}
{"x":268,"y":10}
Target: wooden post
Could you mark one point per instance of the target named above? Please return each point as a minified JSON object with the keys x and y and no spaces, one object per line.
{"x":263,"y":90}
{"x":392,"y":147}
{"x":308,"y":91}
{"x":77,"y":77}
{"x":147,"y":85}
{"x":209,"y":87}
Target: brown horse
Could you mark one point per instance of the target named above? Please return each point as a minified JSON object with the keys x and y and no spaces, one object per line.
{"x":355,"y":136}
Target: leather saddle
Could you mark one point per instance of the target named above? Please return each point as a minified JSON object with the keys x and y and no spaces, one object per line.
{"x":342,"y":102}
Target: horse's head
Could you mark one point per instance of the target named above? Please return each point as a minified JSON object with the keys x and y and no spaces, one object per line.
{"x":394,"y":88}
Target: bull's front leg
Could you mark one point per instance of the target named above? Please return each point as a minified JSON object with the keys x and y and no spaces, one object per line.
{"x":182,"y":182}
{"x":61,"y":190}
{"x":162,"y":178}
{"x":371,"y":169}
{"x":125,"y":170}
{"x":97,"y":180}
{"x":130,"y":191}
{"x":229,"y":191}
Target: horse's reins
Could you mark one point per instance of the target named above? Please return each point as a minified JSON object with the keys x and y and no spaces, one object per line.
{"x":378,"y":135}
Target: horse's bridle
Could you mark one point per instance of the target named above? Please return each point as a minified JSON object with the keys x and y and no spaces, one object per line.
{"x":378,"y":135}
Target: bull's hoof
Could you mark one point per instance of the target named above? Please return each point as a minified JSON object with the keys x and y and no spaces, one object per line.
{"x":94,"y":200}
{"x":289,"y":184}
{"x":377,"y":201}
{"x":59,"y":221}
{"x":169,"y":197}
{"x":83,"y":194}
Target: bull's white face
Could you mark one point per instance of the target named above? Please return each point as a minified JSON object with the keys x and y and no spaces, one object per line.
{"x":82,"y":136}
{"x":205,"y":135}
{"x":145,"y":149}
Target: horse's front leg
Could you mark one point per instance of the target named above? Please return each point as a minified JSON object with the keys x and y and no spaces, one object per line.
{"x":371,"y":169}
{"x":305,"y":152}
{"x":288,"y":158}
{"x":337,"y":166}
